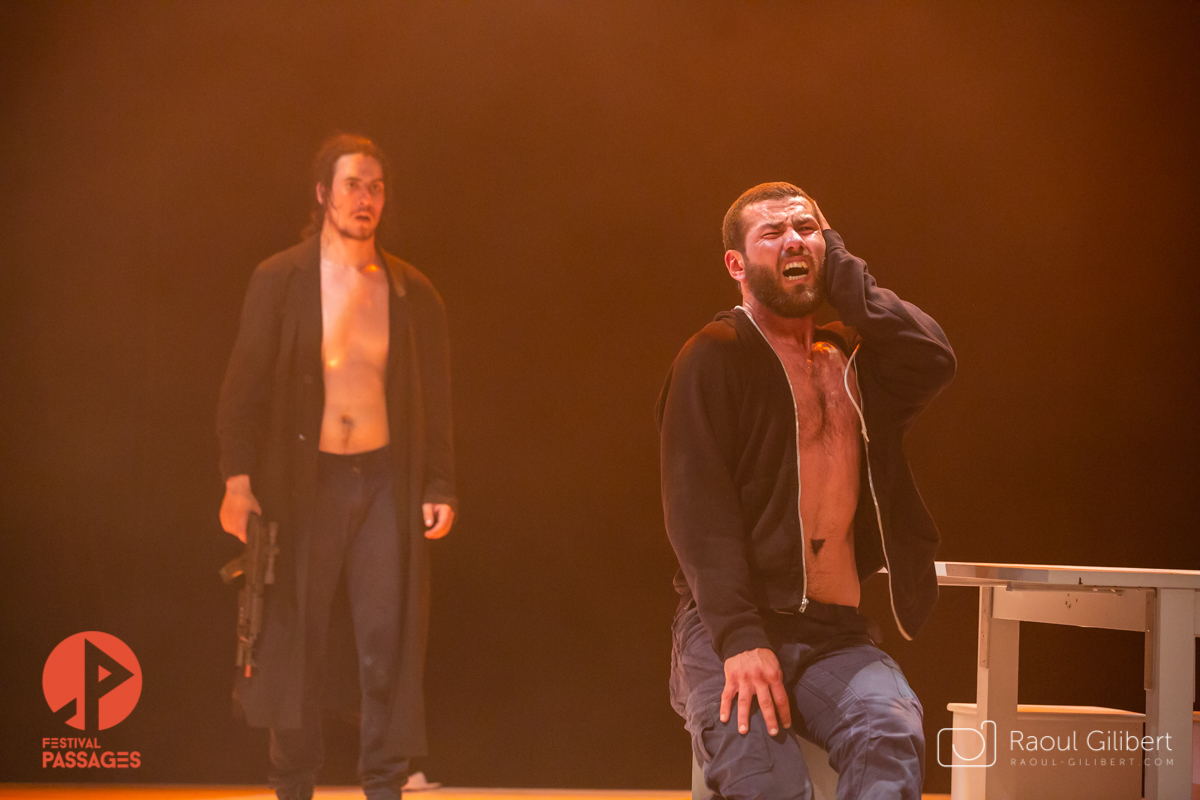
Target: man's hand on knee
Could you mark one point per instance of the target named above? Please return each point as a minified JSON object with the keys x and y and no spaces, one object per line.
{"x":756,"y":673}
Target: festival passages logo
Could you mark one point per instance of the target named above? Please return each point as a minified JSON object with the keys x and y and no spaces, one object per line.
{"x":92,"y":681}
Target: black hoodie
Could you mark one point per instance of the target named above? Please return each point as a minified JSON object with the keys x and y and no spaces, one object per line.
{"x":730,"y":479}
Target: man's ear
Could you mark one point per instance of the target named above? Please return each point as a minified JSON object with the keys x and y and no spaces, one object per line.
{"x":320,"y":195}
{"x":735,"y":262}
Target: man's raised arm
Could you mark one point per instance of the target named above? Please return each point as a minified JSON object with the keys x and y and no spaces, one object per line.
{"x":915,"y":361}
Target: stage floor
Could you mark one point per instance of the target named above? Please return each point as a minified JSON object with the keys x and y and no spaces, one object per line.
{"x":93,"y":792}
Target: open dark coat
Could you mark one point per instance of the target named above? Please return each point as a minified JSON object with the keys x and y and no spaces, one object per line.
{"x":269,"y":424}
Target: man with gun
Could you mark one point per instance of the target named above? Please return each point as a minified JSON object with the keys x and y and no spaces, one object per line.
{"x":336,"y":409}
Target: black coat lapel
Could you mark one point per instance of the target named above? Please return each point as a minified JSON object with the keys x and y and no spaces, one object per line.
{"x":308,"y":308}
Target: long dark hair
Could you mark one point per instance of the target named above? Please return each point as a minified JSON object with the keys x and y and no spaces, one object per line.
{"x":336,"y":146}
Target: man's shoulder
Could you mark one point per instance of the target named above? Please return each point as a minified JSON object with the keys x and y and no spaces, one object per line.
{"x":288,"y":260}
{"x":718,"y":354}
{"x":711,"y":360}
{"x":719,"y":340}
{"x":416,"y":283}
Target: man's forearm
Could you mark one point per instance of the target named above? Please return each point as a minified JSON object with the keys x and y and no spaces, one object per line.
{"x":915,"y":358}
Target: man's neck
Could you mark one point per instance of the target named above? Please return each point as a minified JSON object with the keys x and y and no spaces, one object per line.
{"x":794,"y":330}
{"x":344,"y":251}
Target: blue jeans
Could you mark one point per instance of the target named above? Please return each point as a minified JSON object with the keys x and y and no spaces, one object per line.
{"x":352,"y":538}
{"x":847,"y":696}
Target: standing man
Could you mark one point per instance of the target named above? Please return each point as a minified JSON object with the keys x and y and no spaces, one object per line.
{"x":784,"y":484}
{"x":335,"y":414}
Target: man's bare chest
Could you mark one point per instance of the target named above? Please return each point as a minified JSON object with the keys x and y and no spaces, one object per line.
{"x":354,"y":317}
{"x":821,"y":387}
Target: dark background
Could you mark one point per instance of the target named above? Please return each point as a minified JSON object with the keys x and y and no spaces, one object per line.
{"x":1028,"y":174}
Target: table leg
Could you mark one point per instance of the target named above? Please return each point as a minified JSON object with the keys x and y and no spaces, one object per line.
{"x":996,"y":693}
{"x":1170,"y":693}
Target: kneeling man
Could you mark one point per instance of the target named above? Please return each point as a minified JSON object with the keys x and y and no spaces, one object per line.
{"x":785,"y":484}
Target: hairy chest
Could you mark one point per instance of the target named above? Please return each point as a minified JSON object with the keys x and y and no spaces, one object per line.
{"x":819,"y":379}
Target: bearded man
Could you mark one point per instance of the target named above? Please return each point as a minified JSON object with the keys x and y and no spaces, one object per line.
{"x":336,"y":410}
{"x":785,"y":484}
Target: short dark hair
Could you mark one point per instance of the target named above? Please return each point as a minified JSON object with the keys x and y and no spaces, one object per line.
{"x":336,"y":146}
{"x":733,"y":229}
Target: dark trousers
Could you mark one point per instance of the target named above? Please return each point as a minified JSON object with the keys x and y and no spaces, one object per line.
{"x":846,"y":695}
{"x":352,"y":537}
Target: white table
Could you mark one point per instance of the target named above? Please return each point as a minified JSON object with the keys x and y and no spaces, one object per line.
{"x":1163,"y":604}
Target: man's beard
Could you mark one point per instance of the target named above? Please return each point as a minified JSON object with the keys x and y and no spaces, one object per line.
{"x":764,"y":284}
{"x":348,"y":232}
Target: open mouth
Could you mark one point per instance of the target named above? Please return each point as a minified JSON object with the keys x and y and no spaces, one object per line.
{"x":795,"y":272}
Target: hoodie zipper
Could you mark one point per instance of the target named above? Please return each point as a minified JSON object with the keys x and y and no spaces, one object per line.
{"x":871,"y":481}
{"x":799,"y":488}
{"x":870,"y":478}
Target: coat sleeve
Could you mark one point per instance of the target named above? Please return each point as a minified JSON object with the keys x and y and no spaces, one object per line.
{"x":912,"y":357}
{"x":698,"y":414}
{"x":246,"y":391}
{"x":434,"y":358}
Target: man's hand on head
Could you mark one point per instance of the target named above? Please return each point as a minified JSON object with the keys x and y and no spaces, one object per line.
{"x":438,"y":519}
{"x":824,"y":223}
{"x":236,"y":507}
{"x":756,"y":674}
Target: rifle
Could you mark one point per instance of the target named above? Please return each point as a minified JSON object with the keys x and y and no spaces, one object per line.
{"x":257,"y":564}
